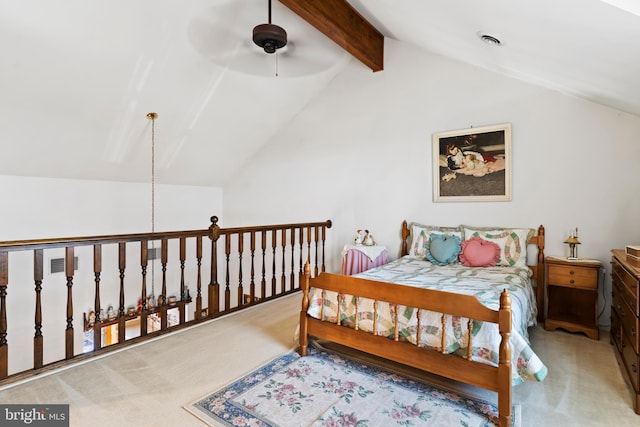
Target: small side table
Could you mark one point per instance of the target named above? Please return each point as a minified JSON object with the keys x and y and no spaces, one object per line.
{"x":359,"y":258}
{"x":572,"y":295}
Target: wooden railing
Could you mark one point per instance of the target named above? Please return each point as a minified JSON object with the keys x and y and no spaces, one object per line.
{"x":259,"y":263}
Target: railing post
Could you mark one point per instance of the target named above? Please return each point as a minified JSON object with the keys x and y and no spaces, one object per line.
{"x":214,"y":287}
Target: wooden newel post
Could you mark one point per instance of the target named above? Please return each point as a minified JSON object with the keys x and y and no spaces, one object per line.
{"x":304,"y":285}
{"x":214,"y":287}
{"x":504,"y":365}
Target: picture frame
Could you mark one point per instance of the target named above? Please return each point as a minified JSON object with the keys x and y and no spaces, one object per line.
{"x":472,"y":165}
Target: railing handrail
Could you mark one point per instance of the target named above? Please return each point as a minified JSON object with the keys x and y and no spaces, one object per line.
{"x":20,"y":245}
{"x":58,"y":242}
{"x":275,"y":227}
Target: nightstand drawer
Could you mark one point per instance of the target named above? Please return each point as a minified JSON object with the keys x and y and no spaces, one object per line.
{"x":572,"y":276}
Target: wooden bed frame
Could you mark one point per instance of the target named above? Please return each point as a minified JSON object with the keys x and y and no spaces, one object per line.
{"x":496,"y":379}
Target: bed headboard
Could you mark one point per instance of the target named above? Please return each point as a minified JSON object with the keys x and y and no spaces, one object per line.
{"x":538,"y":268}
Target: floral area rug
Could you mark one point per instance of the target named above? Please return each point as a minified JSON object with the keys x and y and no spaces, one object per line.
{"x":327,"y":389}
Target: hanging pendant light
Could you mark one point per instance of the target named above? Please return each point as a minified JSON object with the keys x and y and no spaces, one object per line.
{"x":269,"y":37}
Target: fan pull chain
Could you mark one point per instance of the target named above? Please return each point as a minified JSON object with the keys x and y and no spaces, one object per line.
{"x":276,"y":64}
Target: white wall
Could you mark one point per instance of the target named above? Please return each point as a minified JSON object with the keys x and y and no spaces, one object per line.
{"x":36,"y":208}
{"x":360,"y":155}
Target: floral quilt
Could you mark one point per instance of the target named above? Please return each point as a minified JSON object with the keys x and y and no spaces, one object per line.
{"x":484,"y":283}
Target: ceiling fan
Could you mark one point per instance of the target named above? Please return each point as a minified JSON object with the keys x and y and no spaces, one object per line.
{"x":269,"y":36}
{"x":222,"y":33}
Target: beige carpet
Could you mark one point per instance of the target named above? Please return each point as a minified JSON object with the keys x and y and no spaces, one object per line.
{"x":148,"y":384}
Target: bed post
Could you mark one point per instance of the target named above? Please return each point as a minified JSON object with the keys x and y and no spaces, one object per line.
{"x":504,"y":364}
{"x":303,"y":333}
{"x":540,"y":275}
{"x":405,"y":235}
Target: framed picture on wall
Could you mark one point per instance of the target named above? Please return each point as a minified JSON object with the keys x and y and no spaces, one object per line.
{"x":472,"y":165}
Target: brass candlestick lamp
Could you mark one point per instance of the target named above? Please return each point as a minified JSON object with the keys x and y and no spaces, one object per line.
{"x":573,"y":241}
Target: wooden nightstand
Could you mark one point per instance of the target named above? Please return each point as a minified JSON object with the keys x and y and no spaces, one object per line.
{"x":572,"y":295}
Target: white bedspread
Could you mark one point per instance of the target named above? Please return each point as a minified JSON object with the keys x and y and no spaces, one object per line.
{"x":485,"y":283}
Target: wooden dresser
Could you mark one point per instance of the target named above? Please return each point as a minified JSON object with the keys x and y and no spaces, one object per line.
{"x":625,"y":323}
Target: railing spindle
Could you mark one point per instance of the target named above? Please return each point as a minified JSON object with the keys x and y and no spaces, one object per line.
{"x":69,"y":271}
{"x":183,"y":292}
{"x":308,"y":244}
{"x":315,"y":238}
{"x":144,"y":260}
{"x":38,"y":275}
{"x":240,"y":252}
{"x":324,"y":238}
{"x":4,"y":347}
{"x":97,"y":270}
{"x":283,"y":280}
{"x":227,"y":289}
{"x":293,"y":250}
{"x":164,"y":259}
{"x":274,"y":240}
{"x":199,"y":277}
{"x":263,"y":282}
{"x":301,"y":241}
{"x":252,"y":283}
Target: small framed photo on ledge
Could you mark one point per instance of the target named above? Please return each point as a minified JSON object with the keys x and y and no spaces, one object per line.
{"x":472,"y":165}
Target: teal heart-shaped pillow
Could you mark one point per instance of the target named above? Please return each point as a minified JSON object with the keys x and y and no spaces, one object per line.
{"x":443,"y":249}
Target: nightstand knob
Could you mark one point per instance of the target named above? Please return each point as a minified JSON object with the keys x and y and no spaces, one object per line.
{"x":572,"y":281}
{"x":571,"y":272}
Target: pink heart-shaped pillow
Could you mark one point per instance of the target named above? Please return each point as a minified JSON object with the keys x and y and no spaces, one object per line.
{"x":477,"y":252}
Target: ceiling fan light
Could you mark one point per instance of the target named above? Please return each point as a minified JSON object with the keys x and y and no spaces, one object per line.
{"x":269,"y":37}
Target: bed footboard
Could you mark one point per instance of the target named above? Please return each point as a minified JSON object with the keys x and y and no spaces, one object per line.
{"x":493,"y":378}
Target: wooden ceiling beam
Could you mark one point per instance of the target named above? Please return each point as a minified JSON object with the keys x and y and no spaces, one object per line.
{"x":339,"y":21}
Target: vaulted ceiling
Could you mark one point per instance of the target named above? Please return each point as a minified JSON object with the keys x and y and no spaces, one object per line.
{"x":78,"y":77}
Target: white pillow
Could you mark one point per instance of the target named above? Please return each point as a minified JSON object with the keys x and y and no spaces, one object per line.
{"x":512,"y":242}
{"x":420,"y":235}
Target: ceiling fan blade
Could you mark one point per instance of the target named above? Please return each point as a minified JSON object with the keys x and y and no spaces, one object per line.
{"x":223,"y":34}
